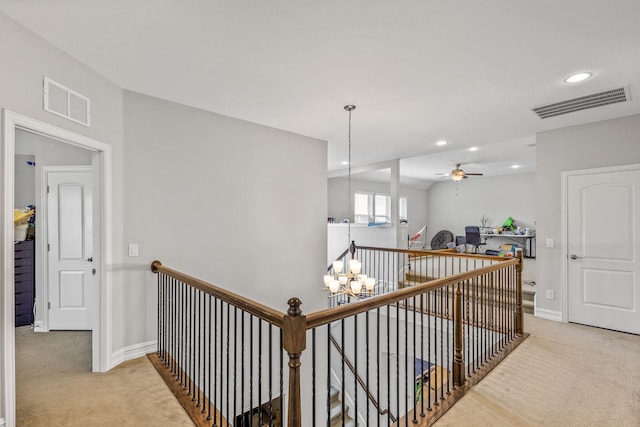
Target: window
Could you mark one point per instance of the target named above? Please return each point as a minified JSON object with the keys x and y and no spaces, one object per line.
{"x":373,"y":207}
{"x":382,"y":208}
{"x":363,"y":207}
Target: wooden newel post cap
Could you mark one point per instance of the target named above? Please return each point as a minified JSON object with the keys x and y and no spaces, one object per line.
{"x":155,"y":265}
{"x":294,"y":307}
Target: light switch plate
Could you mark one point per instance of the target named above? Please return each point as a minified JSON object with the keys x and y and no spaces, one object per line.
{"x":133,"y":249}
{"x":549,"y":243}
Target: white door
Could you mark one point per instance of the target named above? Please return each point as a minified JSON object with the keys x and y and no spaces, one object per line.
{"x":603,"y":224}
{"x":70,"y":262}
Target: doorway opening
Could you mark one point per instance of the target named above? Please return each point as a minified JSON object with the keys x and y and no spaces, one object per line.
{"x":16,"y":126}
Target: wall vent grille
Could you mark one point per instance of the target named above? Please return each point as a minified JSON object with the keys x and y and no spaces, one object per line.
{"x":64,"y":102}
{"x":606,"y":97}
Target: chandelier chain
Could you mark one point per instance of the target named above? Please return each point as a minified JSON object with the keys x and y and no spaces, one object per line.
{"x":349,"y":109}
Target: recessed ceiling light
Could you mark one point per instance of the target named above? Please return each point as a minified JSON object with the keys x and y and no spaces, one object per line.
{"x":578,"y":77}
{"x":473,"y":149}
{"x":514,"y":166}
{"x":345,"y":162}
{"x":442,"y":142}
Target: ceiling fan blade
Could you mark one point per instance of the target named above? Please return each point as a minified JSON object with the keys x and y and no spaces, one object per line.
{"x":474,"y":174}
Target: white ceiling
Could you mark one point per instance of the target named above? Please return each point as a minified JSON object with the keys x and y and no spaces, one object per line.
{"x":418,"y":71}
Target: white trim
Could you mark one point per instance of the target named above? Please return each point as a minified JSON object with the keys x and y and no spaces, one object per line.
{"x":133,"y":352}
{"x":543,"y":313}
{"x":564,"y":263}
{"x":102,"y":336}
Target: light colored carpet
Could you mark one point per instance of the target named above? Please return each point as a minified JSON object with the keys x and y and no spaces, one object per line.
{"x":562,"y":375}
{"x":55,"y":386}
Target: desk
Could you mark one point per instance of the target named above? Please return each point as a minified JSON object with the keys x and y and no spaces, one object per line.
{"x":529,"y":241}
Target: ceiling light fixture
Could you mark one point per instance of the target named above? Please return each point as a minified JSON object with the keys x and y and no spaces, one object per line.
{"x":345,"y":163}
{"x":514,"y":166}
{"x":352,"y":283}
{"x":442,"y":142}
{"x":578,"y":77}
{"x":474,"y":148}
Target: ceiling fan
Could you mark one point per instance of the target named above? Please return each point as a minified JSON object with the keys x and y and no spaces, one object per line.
{"x":458,"y":174}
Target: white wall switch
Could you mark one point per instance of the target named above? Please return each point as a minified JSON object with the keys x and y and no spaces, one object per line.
{"x":550,"y":294}
{"x":549,"y":243}
{"x":133,"y":249}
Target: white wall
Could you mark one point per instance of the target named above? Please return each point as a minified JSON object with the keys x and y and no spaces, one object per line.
{"x":221,"y":199}
{"x":606,"y":143}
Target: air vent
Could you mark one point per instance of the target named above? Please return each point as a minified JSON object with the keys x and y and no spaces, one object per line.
{"x":62,"y":101}
{"x":607,"y":97}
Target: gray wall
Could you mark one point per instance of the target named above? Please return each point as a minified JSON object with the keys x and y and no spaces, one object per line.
{"x":215,"y":196}
{"x":26,"y":59}
{"x":452,"y":206}
{"x":25,"y":184}
{"x":221,"y":199}
{"x":600,"y":144}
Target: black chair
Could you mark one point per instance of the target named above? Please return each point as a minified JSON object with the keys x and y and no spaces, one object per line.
{"x":472,"y":236}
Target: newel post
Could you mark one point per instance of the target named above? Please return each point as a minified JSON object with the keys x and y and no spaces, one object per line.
{"x":519,"y":320}
{"x":458,"y":360}
{"x":294,"y":342}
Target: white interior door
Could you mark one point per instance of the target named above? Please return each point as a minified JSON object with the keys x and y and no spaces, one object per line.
{"x":603,"y":242}
{"x":70,"y":262}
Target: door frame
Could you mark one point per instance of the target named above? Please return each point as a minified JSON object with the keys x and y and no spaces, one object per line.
{"x":102,"y":163}
{"x":565,"y":224}
{"x":44,"y":240}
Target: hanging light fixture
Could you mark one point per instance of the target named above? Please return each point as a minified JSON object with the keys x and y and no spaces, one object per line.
{"x":351,"y":282}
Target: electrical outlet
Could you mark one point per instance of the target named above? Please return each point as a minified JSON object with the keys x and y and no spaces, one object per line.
{"x":549,"y":243}
{"x":550,"y":294}
{"x":133,"y":249}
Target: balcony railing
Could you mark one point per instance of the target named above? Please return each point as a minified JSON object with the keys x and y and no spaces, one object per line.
{"x":398,"y":358}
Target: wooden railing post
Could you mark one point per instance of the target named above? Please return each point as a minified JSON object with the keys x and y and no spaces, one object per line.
{"x":519,"y":320}
{"x":458,"y":359}
{"x":294,"y":342}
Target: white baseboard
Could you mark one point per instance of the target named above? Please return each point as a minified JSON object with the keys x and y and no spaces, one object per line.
{"x":132,"y":352}
{"x":543,"y":313}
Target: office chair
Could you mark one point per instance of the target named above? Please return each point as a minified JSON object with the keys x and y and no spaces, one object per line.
{"x":472,"y":236}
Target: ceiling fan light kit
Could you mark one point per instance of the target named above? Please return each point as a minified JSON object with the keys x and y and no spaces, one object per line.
{"x":458,"y":174}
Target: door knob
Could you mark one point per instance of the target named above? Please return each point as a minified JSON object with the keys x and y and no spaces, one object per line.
{"x":90,"y":259}
{"x":574,"y":256}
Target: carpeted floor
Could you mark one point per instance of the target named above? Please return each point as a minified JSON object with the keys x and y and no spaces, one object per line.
{"x":562,"y":375}
{"x":55,"y":386}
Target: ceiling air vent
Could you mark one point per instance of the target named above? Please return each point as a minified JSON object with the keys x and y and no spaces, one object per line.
{"x":607,"y":97}
{"x":62,"y":101}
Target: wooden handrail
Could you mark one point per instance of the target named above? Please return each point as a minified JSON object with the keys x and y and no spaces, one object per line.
{"x":360,"y":380}
{"x":322,"y":317}
{"x":437,"y":252}
{"x":261,"y":311}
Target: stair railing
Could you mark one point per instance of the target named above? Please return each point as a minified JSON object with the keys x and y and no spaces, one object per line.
{"x":361,"y":382}
{"x":222,"y":353}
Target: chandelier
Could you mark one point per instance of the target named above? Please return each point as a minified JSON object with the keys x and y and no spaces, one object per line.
{"x":350,"y":282}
